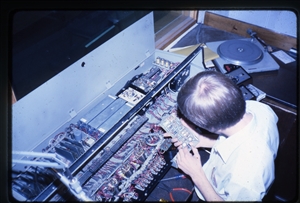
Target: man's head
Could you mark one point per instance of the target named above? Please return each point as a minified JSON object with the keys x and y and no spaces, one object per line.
{"x":211,"y":101}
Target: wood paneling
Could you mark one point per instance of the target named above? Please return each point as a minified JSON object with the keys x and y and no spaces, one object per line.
{"x":173,"y":30}
{"x":270,"y":37}
{"x":284,"y":187}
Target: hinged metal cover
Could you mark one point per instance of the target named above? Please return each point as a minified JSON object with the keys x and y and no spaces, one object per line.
{"x":57,"y":101}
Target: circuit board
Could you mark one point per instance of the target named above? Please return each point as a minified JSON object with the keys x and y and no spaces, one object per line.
{"x":131,"y":95}
{"x":172,"y":125}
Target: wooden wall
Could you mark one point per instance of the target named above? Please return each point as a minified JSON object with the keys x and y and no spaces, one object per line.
{"x":270,"y":37}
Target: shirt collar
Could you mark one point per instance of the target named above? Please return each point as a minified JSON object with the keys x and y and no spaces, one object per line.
{"x":225,"y":146}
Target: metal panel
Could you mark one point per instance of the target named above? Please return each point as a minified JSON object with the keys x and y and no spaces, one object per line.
{"x":97,"y":109}
{"x":106,"y":113}
{"x":37,"y":115}
{"x":111,"y":121}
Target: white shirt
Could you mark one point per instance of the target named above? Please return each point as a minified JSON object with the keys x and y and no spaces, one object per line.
{"x":241,"y":167}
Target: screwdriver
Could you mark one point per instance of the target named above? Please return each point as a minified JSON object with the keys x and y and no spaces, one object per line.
{"x":174,"y":177}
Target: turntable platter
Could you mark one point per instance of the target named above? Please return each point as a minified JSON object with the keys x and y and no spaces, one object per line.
{"x":240,"y":52}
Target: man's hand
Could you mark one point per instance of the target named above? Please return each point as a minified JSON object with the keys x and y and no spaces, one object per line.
{"x":190,"y":164}
{"x":174,"y":140}
{"x":187,"y":162}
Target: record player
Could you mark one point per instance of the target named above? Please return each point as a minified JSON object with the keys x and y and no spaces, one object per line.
{"x":248,"y":53}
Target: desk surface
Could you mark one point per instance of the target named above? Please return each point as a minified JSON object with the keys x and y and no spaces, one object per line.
{"x":280,"y":85}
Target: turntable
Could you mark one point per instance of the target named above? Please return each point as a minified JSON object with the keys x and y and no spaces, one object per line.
{"x":248,"y":53}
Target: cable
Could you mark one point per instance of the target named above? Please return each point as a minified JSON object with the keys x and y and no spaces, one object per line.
{"x":166,"y":188}
{"x":179,"y":189}
{"x":181,"y":176}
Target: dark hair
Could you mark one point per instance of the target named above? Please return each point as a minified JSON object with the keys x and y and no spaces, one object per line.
{"x":211,"y":101}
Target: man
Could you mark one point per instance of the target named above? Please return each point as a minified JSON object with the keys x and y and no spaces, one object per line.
{"x":241,"y":162}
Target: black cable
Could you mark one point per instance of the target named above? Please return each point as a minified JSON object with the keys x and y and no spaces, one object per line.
{"x":47,"y":174}
{"x":20,"y":190}
{"x":25,"y":189}
{"x":37,"y":185}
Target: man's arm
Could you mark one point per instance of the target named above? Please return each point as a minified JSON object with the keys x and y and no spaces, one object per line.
{"x":191,"y":165}
{"x":201,"y":182}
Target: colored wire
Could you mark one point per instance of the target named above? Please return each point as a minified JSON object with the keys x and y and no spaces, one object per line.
{"x":178,"y":189}
{"x":153,"y":114}
{"x":174,"y":190}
